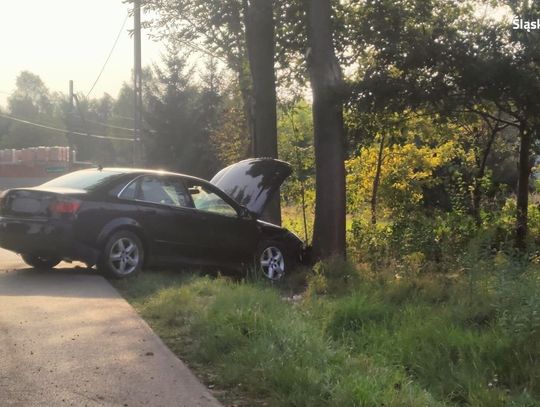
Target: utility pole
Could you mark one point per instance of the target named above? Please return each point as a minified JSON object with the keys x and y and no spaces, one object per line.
{"x":70,"y":117}
{"x":71,"y":96}
{"x":137,"y":85}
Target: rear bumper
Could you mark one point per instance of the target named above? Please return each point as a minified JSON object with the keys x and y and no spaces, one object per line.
{"x":48,"y":238}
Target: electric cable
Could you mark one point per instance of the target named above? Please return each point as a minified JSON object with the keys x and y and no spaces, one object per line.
{"x":99,"y":136}
{"x":109,"y":56}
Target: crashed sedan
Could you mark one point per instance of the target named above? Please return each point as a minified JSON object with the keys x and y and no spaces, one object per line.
{"x":123,"y":220}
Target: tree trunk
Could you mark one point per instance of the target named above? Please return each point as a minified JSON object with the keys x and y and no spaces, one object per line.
{"x":244,"y":82}
{"x":327,"y":87}
{"x":477,"y":191}
{"x":523,"y":187}
{"x":376,"y":182}
{"x":260,"y":43}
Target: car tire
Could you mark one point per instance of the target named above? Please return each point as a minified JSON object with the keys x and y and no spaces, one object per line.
{"x":39,"y":262}
{"x":272,"y":260}
{"x":122,"y":255}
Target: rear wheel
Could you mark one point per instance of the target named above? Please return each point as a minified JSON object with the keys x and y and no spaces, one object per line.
{"x":40,"y":262}
{"x":122,"y":255}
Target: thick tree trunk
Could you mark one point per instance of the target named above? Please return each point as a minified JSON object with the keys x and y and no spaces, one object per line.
{"x":260,"y":42}
{"x":376,"y":182}
{"x":523,"y":188}
{"x":327,"y":87}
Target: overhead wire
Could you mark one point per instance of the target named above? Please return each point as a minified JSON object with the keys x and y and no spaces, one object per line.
{"x":112,"y":126}
{"x":108,"y":56}
{"x":98,"y":136}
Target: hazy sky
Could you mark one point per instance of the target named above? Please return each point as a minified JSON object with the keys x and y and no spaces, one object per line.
{"x":61,"y":40}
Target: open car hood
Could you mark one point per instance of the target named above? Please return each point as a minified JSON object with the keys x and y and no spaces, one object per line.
{"x":252,"y":182}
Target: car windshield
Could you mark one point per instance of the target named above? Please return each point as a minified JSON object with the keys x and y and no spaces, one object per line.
{"x":86,"y":179}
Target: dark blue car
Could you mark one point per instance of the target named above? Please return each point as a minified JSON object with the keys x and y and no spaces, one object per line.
{"x":124,"y":219}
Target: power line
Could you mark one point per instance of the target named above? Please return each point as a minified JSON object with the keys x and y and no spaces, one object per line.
{"x":98,"y":136}
{"x":109,"y":125}
{"x":112,"y":126}
{"x":109,"y":56}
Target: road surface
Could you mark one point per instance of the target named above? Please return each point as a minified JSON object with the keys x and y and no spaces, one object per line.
{"x":68,"y":339}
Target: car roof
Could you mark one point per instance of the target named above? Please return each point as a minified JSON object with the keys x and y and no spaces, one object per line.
{"x":141,"y":171}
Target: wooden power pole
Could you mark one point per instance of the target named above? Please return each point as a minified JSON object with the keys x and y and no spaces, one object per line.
{"x":137,"y":84}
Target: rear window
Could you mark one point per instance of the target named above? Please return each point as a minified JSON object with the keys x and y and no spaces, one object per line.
{"x":86,"y":179}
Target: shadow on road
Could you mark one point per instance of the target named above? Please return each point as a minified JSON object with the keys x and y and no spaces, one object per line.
{"x":62,"y":282}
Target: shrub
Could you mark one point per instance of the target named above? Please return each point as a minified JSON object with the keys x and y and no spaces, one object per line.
{"x":334,"y":276}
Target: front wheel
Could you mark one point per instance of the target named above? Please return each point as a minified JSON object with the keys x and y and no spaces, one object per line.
{"x":271,"y":260}
{"x":122,"y":255}
{"x":39,"y":262}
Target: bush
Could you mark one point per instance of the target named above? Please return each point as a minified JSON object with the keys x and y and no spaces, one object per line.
{"x":335,"y":277}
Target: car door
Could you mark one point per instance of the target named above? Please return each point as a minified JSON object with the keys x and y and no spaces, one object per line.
{"x":166,"y":214}
{"x":227,"y":237}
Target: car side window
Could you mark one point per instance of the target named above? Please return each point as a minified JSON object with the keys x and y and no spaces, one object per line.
{"x":160,"y":190}
{"x":206,"y":200}
{"x":130,"y":191}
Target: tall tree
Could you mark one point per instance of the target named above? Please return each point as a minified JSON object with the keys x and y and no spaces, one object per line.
{"x":31,"y":100}
{"x":260,"y":42}
{"x":327,"y":88}
{"x":215,"y":28}
{"x":241,"y":34}
{"x":180,"y":115}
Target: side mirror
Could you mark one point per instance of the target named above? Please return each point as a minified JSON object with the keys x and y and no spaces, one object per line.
{"x":245,"y":213}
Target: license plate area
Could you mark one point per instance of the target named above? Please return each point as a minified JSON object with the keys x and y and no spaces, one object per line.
{"x":26,"y":205}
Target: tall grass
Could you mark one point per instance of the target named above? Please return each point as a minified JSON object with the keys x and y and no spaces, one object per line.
{"x":358,"y":338}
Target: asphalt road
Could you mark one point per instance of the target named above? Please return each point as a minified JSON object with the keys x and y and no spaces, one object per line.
{"x":68,"y":339}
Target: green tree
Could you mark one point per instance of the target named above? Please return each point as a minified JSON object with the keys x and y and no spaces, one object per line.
{"x":180,"y":116}
{"x":440,"y":55}
{"x":31,"y":101}
{"x":327,"y":88}
{"x":241,"y":34}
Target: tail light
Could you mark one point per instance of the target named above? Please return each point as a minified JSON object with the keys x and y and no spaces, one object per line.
{"x":65,"y":207}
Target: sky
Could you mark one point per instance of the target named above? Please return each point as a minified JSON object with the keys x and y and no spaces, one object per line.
{"x":61,"y":40}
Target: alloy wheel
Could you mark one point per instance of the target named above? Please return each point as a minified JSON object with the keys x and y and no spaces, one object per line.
{"x":272,"y":263}
{"x":124,"y":256}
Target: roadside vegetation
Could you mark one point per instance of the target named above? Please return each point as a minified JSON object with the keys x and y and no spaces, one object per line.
{"x":426,"y":143}
{"x":395,"y":331}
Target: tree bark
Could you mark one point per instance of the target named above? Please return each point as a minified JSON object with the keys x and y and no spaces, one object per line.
{"x":260,"y":43}
{"x":376,"y":182}
{"x":523,"y":187}
{"x":327,"y":88}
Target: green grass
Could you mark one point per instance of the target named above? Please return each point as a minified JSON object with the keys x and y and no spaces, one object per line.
{"x":354,"y":339}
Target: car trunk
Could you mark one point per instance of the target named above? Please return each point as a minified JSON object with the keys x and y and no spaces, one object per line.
{"x":39,"y":203}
